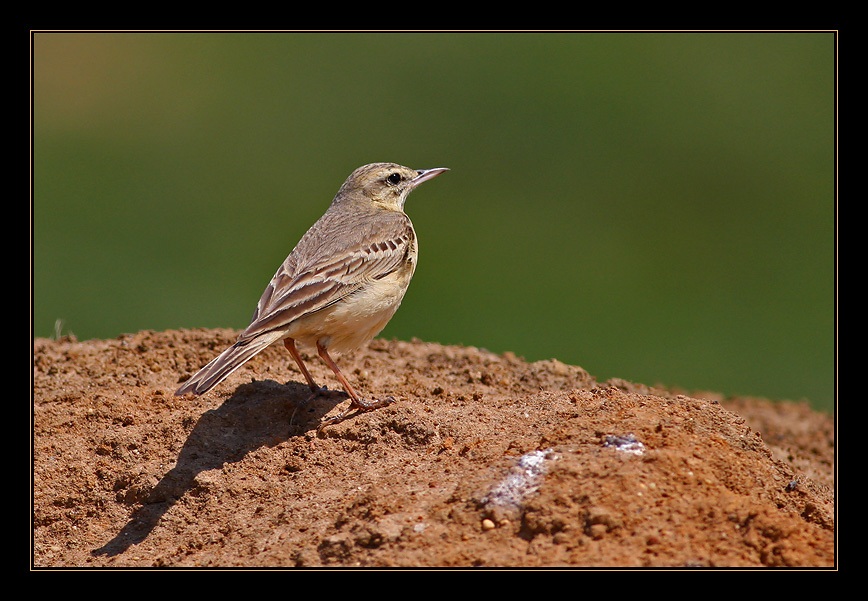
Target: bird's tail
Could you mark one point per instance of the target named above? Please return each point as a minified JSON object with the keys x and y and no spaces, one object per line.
{"x":225,"y":363}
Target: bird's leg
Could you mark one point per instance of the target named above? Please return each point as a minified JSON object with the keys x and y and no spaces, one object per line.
{"x":356,"y":402}
{"x":316,"y":390}
{"x":289,"y":343}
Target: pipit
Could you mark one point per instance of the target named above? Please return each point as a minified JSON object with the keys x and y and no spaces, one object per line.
{"x":339,"y":286}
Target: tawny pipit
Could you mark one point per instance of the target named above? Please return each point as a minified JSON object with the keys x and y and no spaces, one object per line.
{"x":340,"y":285}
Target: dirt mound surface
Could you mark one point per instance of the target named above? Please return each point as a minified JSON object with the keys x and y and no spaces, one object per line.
{"x":484,"y":460}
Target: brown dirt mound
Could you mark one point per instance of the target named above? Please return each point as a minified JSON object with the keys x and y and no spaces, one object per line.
{"x":484,"y":460}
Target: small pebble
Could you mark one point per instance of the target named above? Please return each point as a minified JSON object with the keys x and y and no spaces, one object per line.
{"x":487,"y":524}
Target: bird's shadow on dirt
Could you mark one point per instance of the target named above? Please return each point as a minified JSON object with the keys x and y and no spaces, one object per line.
{"x":262,"y":413}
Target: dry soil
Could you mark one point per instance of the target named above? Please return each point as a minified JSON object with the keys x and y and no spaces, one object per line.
{"x":484,"y":460}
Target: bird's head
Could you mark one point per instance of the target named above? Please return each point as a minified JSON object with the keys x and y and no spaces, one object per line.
{"x":386,"y":184}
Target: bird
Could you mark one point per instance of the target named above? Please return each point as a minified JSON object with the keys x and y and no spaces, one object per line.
{"x":339,"y":286}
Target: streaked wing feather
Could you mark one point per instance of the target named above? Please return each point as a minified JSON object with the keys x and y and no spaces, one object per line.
{"x":291,"y":296}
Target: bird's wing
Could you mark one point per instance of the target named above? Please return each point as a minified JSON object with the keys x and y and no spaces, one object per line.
{"x":320,"y":272}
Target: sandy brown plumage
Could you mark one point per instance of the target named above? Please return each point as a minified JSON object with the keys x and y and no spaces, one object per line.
{"x":342,"y":282}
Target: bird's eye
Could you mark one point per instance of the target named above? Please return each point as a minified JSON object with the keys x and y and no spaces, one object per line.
{"x":394,"y":178}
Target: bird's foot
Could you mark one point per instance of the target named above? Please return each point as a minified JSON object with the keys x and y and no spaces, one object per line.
{"x":363,"y":405}
{"x":356,"y":406}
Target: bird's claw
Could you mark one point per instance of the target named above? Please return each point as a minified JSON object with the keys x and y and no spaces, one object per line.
{"x":356,"y":406}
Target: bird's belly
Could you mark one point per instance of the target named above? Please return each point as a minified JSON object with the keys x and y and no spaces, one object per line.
{"x":356,"y":319}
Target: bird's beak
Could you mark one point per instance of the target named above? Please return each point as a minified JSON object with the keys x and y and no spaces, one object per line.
{"x":426,"y":174}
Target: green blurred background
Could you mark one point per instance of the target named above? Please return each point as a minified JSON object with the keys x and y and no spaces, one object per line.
{"x":655,"y":207}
